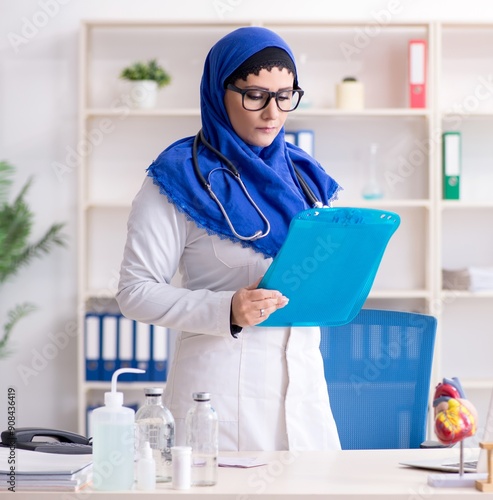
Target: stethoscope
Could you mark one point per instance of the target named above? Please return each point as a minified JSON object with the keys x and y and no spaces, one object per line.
{"x":233,"y":171}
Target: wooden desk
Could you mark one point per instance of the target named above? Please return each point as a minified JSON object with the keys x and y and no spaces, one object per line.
{"x":346,"y":475}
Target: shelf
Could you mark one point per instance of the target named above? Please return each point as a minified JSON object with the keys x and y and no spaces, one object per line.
{"x":449,"y":115}
{"x":459,"y":204}
{"x":384,"y":203}
{"x":379,"y":204}
{"x":119,"y":205}
{"x":122,"y":386}
{"x":102,"y":293}
{"x":468,"y":384}
{"x":466,"y":294}
{"x":368,"y":112}
{"x":399,"y":294}
{"x":300,"y":112}
{"x":128,"y":112}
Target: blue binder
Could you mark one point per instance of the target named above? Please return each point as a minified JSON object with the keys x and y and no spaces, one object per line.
{"x":143,"y":343}
{"x":159,"y":355}
{"x":109,"y":352}
{"x":92,"y":346}
{"x":126,"y":348}
{"x":327,"y":265}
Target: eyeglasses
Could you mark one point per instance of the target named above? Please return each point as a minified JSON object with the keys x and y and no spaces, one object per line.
{"x":257,"y":99}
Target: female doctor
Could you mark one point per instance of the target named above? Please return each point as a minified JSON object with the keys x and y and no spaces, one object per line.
{"x":194,"y":215}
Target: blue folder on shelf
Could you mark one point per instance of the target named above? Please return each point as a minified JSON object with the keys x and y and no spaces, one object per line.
{"x":327,"y":265}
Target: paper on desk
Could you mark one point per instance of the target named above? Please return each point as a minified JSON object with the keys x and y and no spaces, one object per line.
{"x":242,"y":462}
{"x":34,"y":462}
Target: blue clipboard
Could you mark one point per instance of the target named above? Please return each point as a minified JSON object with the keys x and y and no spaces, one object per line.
{"x":327,"y":265}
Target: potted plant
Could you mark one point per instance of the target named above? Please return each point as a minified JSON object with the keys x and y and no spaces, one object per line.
{"x":16,"y":220}
{"x":147,"y":78}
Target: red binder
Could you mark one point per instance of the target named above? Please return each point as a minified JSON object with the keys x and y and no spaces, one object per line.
{"x":417,"y":73}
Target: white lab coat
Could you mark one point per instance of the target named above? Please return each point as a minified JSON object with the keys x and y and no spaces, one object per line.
{"x":268,"y":385}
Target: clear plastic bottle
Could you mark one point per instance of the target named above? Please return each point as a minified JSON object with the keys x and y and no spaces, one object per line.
{"x":113,"y":440}
{"x":155,"y":424}
{"x":146,"y":470}
{"x":202,"y":436}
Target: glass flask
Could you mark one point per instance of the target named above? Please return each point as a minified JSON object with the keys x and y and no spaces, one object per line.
{"x":202,"y":436}
{"x":155,"y":423}
{"x":372,"y":189}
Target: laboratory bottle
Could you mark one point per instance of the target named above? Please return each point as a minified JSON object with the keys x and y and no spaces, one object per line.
{"x":372,"y":189}
{"x":155,"y":423}
{"x":113,"y":440}
{"x":201,"y":425}
{"x":146,"y":469}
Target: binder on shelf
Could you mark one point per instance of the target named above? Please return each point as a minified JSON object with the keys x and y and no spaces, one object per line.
{"x":451,"y":164}
{"x":92,"y":341}
{"x":160,"y":339}
{"x":143,"y":349}
{"x":304,"y":139}
{"x":126,"y":347}
{"x":290,"y":137}
{"x":417,"y":73}
{"x":109,"y":350}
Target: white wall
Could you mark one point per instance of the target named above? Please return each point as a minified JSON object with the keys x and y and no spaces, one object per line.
{"x":38,"y":122}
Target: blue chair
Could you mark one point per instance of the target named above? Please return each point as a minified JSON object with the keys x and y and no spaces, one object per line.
{"x":378,"y":370}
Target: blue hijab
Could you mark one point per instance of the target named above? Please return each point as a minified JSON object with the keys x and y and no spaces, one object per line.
{"x":266,"y":171}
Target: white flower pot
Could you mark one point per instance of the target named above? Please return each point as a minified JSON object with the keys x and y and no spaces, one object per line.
{"x":143,"y":94}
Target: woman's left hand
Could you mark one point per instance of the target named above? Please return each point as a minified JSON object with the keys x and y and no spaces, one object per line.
{"x":251,"y":305}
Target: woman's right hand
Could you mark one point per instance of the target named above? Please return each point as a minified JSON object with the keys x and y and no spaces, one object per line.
{"x":251,"y":305}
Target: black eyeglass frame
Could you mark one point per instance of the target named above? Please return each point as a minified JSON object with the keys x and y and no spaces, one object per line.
{"x":271,"y":95}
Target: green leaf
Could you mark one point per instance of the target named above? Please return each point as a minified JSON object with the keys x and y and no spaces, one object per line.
{"x":14,"y":315}
{"x":149,"y":70}
{"x":16,"y":251}
{"x":6,"y":171}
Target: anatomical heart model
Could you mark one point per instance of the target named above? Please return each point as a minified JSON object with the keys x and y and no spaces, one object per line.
{"x":455,"y":416}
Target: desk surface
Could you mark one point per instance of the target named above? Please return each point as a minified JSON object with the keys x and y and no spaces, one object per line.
{"x":346,"y":475}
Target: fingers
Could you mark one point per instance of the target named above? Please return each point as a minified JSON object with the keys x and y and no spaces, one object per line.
{"x":271,"y":306}
{"x":253,"y":306}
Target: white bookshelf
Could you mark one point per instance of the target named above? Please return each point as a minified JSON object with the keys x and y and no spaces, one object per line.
{"x":464,"y":235}
{"x":410,"y":274}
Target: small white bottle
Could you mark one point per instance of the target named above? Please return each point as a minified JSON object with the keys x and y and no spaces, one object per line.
{"x":146,"y":469}
{"x":113,"y":440}
{"x":182,"y":467}
{"x":202,"y":436}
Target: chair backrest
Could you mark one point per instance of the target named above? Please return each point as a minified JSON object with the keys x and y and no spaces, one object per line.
{"x":378,"y":370}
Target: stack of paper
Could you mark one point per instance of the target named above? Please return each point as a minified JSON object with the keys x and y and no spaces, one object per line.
{"x":474,"y":279}
{"x":23,"y":470}
{"x":481,"y":278}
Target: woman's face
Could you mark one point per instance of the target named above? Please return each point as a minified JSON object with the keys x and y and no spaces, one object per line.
{"x":259,"y":128}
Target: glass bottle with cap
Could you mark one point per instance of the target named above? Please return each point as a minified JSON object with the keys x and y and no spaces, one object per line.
{"x":155,"y":424}
{"x":202,"y":436}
